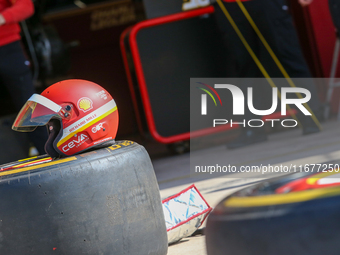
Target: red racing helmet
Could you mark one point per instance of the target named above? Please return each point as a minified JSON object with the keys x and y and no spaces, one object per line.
{"x":79,"y":115}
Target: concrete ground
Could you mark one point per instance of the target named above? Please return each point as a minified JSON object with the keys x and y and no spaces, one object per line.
{"x":287,"y":148}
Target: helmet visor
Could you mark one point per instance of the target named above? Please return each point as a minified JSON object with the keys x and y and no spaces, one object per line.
{"x":37,"y":111}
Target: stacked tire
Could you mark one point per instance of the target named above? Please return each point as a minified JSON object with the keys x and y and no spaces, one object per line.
{"x":259,"y":220}
{"x":101,"y":202}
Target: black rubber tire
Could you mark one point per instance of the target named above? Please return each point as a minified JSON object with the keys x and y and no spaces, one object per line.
{"x":101,"y":202}
{"x":257,"y":221}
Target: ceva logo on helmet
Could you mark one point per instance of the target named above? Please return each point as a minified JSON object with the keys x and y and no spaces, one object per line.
{"x":239,"y":104}
{"x":75,"y":142}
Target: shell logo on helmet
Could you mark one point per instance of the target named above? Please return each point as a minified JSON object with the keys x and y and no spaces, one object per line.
{"x":85,"y":104}
{"x":72,"y":110}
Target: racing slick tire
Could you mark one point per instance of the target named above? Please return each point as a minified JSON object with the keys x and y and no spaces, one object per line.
{"x":259,"y":221}
{"x":105,"y":201}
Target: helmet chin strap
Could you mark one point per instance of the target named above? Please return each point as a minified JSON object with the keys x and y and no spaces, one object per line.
{"x":54,"y":128}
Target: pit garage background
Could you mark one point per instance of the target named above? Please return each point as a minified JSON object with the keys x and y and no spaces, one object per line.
{"x":178,"y":39}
